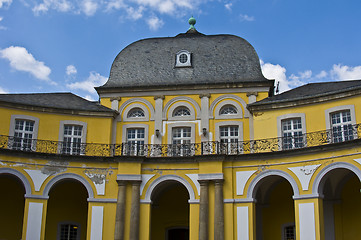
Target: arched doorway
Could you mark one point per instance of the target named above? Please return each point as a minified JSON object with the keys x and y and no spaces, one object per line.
{"x":170,"y":211}
{"x":12,"y":202}
{"x":275,"y":213}
{"x":341,"y":204}
{"x":67,"y":211}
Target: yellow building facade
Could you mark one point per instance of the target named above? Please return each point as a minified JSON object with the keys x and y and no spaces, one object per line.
{"x":188,"y":142}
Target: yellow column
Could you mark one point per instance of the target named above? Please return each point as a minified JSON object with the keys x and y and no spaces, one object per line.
{"x":34,"y":219}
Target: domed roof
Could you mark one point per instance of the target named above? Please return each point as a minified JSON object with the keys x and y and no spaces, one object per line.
{"x":213,"y":59}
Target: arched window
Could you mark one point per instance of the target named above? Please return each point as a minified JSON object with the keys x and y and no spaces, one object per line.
{"x":181,"y":112}
{"x":136,"y":113}
{"x":228,"y":110}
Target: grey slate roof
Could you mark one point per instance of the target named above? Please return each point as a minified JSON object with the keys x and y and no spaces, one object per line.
{"x":64,"y":101}
{"x":216,"y":59}
{"x":311,"y":90}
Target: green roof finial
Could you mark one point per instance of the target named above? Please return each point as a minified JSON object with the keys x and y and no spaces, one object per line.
{"x":192,"y":22}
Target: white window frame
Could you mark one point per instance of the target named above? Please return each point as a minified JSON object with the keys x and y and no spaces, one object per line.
{"x":188,"y":63}
{"x":302,"y":116}
{"x":171,"y":109}
{"x":68,"y":223}
{"x":220,"y":105}
{"x":137,"y":119}
{"x":135,"y":125}
{"x":72,"y":122}
{"x":239,"y":124}
{"x":170,"y":127}
{"x":13,"y":119}
{"x":330,"y":111}
{"x":132,"y":150}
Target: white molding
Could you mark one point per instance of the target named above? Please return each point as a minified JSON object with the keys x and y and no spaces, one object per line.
{"x":24,"y":117}
{"x":242,"y":178}
{"x":37,"y":177}
{"x":96,"y":229}
{"x":252,"y":189}
{"x":194,"y":178}
{"x":177,"y":105}
{"x":145,"y":180}
{"x":135,"y":100}
{"x":181,"y":99}
{"x":129,"y":177}
{"x":72,"y":122}
{"x":229,"y":96}
{"x":188,"y":63}
{"x":307,"y":226}
{"x":318,"y":183}
{"x":130,"y":107}
{"x":73,"y":176}
{"x":20,"y":176}
{"x":304,"y":174}
{"x":229,"y":116}
{"x":35,"y":216}
{"x":102,"y":200}
{"x":172,"y":125}
{"x":242,"y":223}
{"x":211,"y":176}
{"x":153,"y":185}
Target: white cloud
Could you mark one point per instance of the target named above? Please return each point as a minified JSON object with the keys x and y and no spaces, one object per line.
{"x":155,"y":23}
{"x":302,"y":75}
{"x":5,"y":2}
{"x":228,"y":6}
{"x":322,"y":74}
{"x":3,"y":90}
{"x":115,"y":4}
{"x":89,"y":7}
{"x":21,"y":60}
{"x":58,"y":5}
{"x":342,"y":72}
{"x":71,"y":70}
{"x":276,"y":72}
{"x":94,"y":80}
{"x":135,"y":14}
{"x":245,"y":17}
{"x":2,"y":27}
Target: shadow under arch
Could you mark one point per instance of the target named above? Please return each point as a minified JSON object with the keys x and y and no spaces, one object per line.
{"x":253,"y":186}
{"x":73,"y":176}
{"x":156,"y":182}
{"x":21,"y":177}
{"x":319,"y":182}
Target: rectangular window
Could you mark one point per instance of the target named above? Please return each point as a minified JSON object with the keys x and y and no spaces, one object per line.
{"x":69,"y":232}
{"x":72,"y":139}
{"x":289,"y":233}
{"x":135,"y":142}
{"x":292,"y":133}
{"x":342,"y":129}
{"x":181,"y":141}
{"x":23,"y":135}
{"x":229,"y":136}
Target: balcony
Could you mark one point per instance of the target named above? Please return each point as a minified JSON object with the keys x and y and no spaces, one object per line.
{"x":312,"y":139}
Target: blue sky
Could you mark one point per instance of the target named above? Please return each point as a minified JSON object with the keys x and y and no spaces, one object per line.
{"x":64,"y":45}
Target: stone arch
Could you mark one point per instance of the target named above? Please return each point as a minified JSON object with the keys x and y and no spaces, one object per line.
{"x":182,"y":98}
{"x":21,"y":177}
{"x":73,"y":176}
{"x":253,"y":186}
{"x":228,"y":96}
{"x":318,"y":183}
{"x":137,"y":100}
{"x":161,"y":179}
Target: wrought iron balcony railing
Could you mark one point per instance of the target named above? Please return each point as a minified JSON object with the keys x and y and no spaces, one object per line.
{"x":335,"y":135}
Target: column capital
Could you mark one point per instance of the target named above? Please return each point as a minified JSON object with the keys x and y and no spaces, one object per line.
{"x":121,"y":182}
{"x":115,"y":98}
{"x":218,"y":181}
{"x":208,"y":95}
{"x":252,"y":94}
{"x":203,"y":182}
{"x":159,"y":97}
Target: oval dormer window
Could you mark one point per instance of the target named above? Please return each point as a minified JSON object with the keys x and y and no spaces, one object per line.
{"x":183,"y":59}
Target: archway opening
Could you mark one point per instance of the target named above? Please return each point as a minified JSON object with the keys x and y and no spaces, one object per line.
{"x":67,"y":211}
{"x":341,"y":204}
{"x":170,"y":212}
{"x":12,"y":202}
{"x":275,"y":213}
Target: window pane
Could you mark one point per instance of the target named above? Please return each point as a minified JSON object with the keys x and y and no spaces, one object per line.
{"x":292,"y":133}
